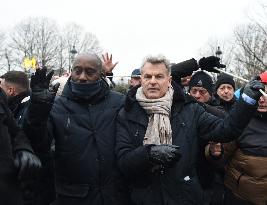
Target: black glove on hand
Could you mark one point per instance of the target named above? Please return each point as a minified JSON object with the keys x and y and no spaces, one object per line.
{"x":27,"y":163}
{"x":252,"y":90}
{"x":164,"y":154}
{"x":209,"y":63}
{"x":40,"y":86}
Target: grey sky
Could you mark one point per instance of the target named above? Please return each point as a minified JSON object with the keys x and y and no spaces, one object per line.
{"x":133,"y":29}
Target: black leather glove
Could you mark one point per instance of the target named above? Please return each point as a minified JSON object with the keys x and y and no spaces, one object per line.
{"x":40,"y":87}
{"x":252,"y":90}
{"x":27,"y":163}
{"x":209,"y":63}
{"x":164,"y":154}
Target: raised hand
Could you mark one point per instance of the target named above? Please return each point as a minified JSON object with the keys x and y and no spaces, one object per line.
{"x":208,"y":64}
{"x":40,"y":86}
{"x":251,"y":93}
{"x":107,"y":63}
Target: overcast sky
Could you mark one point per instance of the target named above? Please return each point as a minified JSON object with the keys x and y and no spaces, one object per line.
{"x":132,"y":29}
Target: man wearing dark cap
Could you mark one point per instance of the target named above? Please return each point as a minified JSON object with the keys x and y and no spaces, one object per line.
{"x":225,"y":88}
{"x":201,"y":87}
{"x":135,"y":78}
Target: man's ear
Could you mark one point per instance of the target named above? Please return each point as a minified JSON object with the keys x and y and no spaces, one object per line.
{"x":12,"y":91}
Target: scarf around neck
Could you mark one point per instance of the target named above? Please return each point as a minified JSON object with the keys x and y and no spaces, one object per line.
{"x":86,"y":92}
{"x":159,"y":128}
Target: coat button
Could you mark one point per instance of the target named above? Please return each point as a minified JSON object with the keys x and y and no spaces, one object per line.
{"x":183,"y":124}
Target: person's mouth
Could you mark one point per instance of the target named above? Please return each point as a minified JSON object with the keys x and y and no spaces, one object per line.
{"x":153,"y":89}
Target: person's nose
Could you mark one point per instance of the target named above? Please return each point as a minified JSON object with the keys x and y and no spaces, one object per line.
{"x":153,"y":80}
{"x":197,"y":95}
{"x":82,"y":77}
{"x":261,"y":100}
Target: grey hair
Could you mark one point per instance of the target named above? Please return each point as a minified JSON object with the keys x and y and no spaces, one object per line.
{"x":158,"y":59}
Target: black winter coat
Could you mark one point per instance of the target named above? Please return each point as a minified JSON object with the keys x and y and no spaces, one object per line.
{"x":226,"y":105}
{"x":84,"y":134}
{"x":12,"y":139}
{"x":37,"y":190}
{"x":179,"y":184}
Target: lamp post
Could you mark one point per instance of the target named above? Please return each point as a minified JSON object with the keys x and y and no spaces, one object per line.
{"x":73,"y":52}
{"x":218,"y":53}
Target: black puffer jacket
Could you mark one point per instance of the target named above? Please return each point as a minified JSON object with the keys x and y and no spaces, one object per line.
{"x":84,"y":134}
{"x":179,"y":184}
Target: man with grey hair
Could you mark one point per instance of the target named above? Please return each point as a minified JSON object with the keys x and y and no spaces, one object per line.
{"x":157,"y":136}
{"x":82,"y":123}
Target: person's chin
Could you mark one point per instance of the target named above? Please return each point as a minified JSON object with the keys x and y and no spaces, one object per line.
{"x":226,"y":99}
{"x":262,"y":109}
{"x":153,"y":95}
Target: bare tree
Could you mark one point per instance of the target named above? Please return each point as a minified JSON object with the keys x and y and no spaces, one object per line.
{"x":2,"y":41}
{"x":251,"y":54}
{"x":35,"y":37}
{"x":41,"y":38}
{"x":76,"y":37}
{"x":5,"y":55}
{"x":246,"y":53}
{"x":227,"y":48}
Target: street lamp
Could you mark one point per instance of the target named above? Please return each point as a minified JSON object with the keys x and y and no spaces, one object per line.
{"x":73,"y":52}
{"x":218,"y":54}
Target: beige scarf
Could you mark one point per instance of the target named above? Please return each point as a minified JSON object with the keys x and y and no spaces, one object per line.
{"x":159,"y":128}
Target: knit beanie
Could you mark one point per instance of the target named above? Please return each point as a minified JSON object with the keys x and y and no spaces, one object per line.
{"x":224,"y":79}
{"x":201,"y":79}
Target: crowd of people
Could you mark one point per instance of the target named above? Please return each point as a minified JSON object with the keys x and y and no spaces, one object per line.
{"x":176,"y":138}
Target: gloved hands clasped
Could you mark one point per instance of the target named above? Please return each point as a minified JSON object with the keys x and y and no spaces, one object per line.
{"x":251,"y":92}
{"x":208,"y":64}
{"x":164,"y":154}
{"x":27,"y":163}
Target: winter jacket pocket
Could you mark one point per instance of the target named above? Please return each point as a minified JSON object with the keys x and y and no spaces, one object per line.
{"x":192,"y":191}
{"x":73,"y":190}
